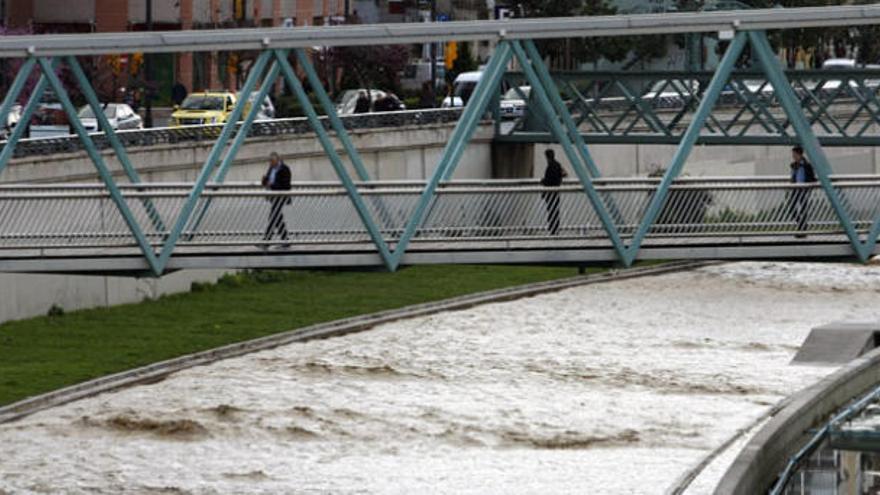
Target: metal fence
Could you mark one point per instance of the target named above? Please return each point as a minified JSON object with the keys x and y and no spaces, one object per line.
{"x":622,"y":107}
{"x":739,"y":211}
{"x":209,"y":133}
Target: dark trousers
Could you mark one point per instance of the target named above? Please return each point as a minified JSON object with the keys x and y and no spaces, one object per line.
{"x":798,"y":207}
{"x":276,"y":219}
{"x":551,"y":198}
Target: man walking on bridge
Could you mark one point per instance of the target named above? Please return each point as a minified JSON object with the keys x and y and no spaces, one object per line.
{"x":553,"y":175}
{"x":801,"y":173}
{"x":277,"y":178}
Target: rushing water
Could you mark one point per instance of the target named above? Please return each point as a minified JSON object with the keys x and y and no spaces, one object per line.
{"x":609,"y":388}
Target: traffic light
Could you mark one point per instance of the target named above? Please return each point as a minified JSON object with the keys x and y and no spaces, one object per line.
{"x":232,"y":63}
{"x":115,"y":62}
{"x":137,"y":60}
{"x":451,"y":54}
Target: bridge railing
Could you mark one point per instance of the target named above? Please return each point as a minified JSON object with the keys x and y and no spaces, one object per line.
{"x":208,"y":133}
{"x":657,"y":106}
{"x":321,"y":215}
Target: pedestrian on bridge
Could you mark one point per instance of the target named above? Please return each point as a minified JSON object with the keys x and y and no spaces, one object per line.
{"x":277,"y":178}
{"x":799,"y":200}
{"x":553,"y":175}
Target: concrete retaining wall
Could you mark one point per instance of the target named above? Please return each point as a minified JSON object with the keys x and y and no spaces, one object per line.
{"x":765,"y":456}
{"x":399,"y":153}
{"x":720,"y":161}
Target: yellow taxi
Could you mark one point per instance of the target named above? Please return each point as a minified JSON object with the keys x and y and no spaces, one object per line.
{"x":204,"y":108}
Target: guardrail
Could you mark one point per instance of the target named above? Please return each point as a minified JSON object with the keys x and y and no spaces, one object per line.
{"x":738,"y":210}
{"x":209,"y":133}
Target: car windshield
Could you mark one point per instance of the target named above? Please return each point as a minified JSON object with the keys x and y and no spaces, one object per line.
{"x":464,"y":90}
{"x":202,"y":102}
{"x":87,"y":113}
{"x":512,"y":93}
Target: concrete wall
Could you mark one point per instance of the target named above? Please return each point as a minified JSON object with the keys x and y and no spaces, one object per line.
{"x":640,"y":160}
{"x":408,"y":153}
{"x":766,"y":454}
{"x":400,"y":153}
{"x":26,"y":295}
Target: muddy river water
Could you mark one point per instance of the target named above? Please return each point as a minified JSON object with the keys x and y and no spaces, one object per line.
{"x":611,"y":388}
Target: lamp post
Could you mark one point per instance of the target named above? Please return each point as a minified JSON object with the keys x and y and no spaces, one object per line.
{"x":148,"y":72}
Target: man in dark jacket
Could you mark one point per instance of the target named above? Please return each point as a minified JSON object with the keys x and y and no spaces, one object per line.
{"x":553,"y":175}
{"x":178,"y":93}
{"x":277,"y":178}
{"x":799,"y":201}
{"x":362,"y":104}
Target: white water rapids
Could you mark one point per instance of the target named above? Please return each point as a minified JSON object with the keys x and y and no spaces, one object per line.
{"x":610,"y":388}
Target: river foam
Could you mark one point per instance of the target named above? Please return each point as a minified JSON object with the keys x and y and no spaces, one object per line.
{"x":609,"y":388}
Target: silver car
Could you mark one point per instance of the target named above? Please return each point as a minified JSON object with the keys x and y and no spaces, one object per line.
{"x":120,"y":116}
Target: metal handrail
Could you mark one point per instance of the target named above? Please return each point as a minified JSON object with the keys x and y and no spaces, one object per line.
{"x":407,"y":33}
{"x":208,"y":133}
{"x":153,"y":190}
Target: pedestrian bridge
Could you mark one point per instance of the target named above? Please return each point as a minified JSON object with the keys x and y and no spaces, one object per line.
{"x":153,"y":228}
{"x":77,"y":228}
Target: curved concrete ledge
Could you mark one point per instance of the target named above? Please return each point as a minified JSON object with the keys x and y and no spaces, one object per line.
{"x":766,"y":454}
{"x":158,"y":371}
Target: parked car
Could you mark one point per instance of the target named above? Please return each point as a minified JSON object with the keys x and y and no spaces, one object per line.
{"x":49,"y":119}
{"x":462,"y":89}
{"x":671,"y":93}
{"x":380,"y":101}
{"x":208,"y":107}
{"x":512,"y":104}
{"x":417,"y":73}
{"x":11,"y":121}
{"x":832,"y":86}
{"x":839,"y":64}
{"x":120,"y":116}
{"x":267,"y":109}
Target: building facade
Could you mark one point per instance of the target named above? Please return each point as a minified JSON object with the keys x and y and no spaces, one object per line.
{"x":195,"y":71}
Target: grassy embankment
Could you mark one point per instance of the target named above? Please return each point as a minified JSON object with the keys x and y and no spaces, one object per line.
{"x":46,"y":353}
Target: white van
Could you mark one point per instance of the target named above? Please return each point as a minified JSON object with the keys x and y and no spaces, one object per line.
{"x":462,"y":89}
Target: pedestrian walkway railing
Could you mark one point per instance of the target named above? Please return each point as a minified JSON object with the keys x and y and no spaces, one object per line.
{"x":739,"y":210}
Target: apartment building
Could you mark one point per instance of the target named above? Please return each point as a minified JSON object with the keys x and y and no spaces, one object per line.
{"x":195,"y":71}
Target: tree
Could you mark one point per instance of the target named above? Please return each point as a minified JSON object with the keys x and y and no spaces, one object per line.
{"x":369,"y":67}
{"x":824,"y":42}
{"x":568,"y":53}
{"x":464,"y":62}
{"x":10,"y":67}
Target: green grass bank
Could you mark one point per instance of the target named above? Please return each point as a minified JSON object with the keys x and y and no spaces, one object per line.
{"x":42,"y":354}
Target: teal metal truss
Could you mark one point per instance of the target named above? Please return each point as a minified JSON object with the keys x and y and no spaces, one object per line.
{"x":546,"y":98}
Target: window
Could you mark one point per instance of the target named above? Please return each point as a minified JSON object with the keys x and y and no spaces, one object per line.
{"x":202,"y":102}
